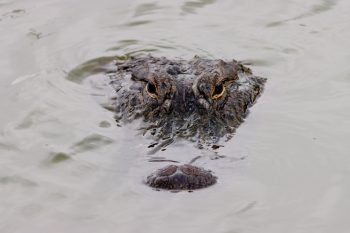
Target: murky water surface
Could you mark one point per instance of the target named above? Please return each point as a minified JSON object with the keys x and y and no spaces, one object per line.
{"x":67,"y":167}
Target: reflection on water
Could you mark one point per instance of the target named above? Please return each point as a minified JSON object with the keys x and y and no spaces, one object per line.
{"x":59,"y":157}
{"x":12,"y":14}
{"x":91,"y":142}
{"x":146,"y":9}
{"x":66,"y":166}
{"x":138,"y":23}
{"x":94,"y":66}
{"x":324,"y":5}
{"x":191,"y":6}
{"x":16,"y":180}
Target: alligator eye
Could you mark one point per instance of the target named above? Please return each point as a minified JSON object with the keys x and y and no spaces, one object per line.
{"x":218,"y":91}
{"x":151,"y":89}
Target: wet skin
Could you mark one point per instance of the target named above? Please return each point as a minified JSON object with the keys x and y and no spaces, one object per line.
{"x":201,"y":100}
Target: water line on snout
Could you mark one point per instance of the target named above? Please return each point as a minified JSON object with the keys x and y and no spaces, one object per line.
{"x":162,"y":145}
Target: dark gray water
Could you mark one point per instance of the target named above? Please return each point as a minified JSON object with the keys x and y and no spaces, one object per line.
{"x":67,"y":167}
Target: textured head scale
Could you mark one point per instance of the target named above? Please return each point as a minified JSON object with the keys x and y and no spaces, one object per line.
{"x":200,"y":98}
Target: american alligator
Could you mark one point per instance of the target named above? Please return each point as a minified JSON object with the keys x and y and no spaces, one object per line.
{"x":201,"y":100}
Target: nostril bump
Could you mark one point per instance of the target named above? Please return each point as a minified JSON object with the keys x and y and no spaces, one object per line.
{"x":204,"y":103}
{"x":166,"y":105}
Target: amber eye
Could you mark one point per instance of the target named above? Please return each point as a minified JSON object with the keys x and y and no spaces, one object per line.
{"x":218,"y":91}
{"x":151,"y":89}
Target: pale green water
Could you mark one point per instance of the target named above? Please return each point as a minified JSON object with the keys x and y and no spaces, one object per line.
{"x":67,"y":167}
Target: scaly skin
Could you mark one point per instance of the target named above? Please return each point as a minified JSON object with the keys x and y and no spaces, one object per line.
{"x":184,"y":177}
{"x":201,"y":100}
{"x":184,"y":105}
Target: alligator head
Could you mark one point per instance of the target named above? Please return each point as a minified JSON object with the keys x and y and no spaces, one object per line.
{"x":200,"y":99}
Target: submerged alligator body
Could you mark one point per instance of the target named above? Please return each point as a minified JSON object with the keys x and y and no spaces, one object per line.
{"x":201,"y":100}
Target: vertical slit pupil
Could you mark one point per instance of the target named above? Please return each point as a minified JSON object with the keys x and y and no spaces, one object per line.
{"x":151,"y":88}
{"x":218,"y":89}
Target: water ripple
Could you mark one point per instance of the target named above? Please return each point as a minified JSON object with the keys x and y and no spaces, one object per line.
{"x":323,"y":6}
{"x":146,"y":9}
{"x":190,"y":7}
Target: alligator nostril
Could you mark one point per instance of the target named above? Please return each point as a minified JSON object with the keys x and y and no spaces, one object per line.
{"x":166,"y":105}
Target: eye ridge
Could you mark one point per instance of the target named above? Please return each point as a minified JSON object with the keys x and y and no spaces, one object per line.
{"x":218,"y":91}
{"x":152,"y":89}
